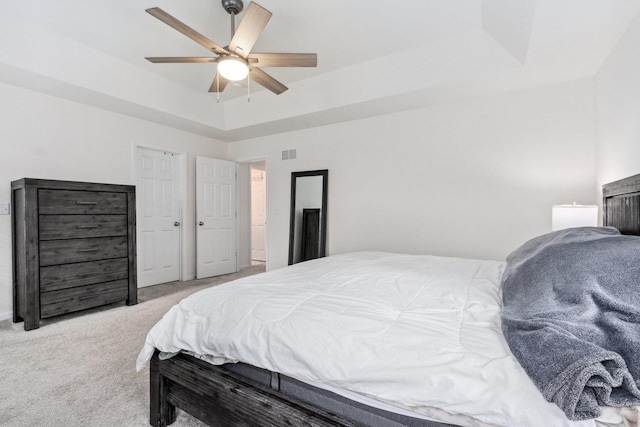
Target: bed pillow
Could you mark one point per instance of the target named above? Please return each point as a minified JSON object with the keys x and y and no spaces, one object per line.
{"x":571,"y":317}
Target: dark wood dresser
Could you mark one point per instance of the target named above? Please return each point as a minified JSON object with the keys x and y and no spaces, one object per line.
{"x":74,"y":247}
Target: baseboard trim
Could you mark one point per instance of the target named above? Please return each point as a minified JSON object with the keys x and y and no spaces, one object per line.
{"x":6,"y":316}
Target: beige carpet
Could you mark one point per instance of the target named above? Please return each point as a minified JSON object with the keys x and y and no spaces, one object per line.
{"x":79,"y":370}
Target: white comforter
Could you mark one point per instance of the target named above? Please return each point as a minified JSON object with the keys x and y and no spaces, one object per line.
{"x":421,"y":333}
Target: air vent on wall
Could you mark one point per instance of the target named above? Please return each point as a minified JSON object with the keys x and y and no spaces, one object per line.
{"x":289,"y":154}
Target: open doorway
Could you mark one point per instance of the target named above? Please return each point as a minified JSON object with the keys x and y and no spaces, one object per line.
{"x":258,"y":186}
{"x":252,"y":232}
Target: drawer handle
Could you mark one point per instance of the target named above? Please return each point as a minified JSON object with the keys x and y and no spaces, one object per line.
{"x":87,"y":226}
{"x":86,"y":203}
{"x":88,"y":250}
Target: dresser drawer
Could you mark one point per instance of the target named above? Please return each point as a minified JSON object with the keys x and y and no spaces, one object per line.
{"x":57,"y":277}
{"x":83,"y":297}
{"x":81,"y":202}
{"x":79,"y":226}
{"x":54,"y":252}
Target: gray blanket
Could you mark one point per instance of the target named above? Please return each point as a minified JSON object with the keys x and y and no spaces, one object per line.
{"x":572,"y":317}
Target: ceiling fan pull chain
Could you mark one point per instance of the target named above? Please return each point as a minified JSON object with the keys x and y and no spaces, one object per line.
{"x":217,"y":87}
{"x":248,"y":88}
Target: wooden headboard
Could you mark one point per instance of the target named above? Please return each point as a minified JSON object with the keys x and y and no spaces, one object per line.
{"x":621,"y":205}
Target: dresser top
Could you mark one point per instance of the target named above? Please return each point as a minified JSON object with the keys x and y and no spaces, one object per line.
{"x":69,"y":185}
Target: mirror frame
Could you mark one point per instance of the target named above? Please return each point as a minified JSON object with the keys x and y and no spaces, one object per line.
{"x":324,"y":173}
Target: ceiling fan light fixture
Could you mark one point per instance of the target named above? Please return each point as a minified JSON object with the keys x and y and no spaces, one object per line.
{"x":233,"y":68}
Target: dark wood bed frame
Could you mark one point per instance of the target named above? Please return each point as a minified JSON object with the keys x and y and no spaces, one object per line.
{"x":621,"y":205}
{"x":220,"y":397}
{"x":223,"y":398}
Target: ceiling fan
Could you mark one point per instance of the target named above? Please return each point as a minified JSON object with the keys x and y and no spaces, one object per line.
{"x":236,"y":61}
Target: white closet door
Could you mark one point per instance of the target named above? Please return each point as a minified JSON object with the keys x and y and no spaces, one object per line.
{"x":216,"y":217}
{"x":158,"y":216}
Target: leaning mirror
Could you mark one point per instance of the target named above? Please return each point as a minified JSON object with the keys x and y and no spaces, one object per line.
{"x":308,"y":228}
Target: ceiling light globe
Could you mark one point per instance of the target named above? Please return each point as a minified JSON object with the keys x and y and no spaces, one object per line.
{"x":233,"y":68}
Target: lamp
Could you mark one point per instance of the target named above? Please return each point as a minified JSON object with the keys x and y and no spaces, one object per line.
{"x":233,"y":68}
{"x":568,"y":216}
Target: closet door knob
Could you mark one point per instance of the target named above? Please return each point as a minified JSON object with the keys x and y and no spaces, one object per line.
{"x":201,"y":223}
{"x":176,"y":223}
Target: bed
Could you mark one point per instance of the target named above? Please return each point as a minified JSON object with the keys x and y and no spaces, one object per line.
{"x":322,"y":343}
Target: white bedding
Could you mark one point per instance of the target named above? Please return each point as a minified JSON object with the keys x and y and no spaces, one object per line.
{"x":419,"y":333}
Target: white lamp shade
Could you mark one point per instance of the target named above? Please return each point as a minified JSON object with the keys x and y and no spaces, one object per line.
{"x":232,"y":68}
{"x":568,"y":216}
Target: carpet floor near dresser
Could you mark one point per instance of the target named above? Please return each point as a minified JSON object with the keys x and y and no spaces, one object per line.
{"x":79,"y":370}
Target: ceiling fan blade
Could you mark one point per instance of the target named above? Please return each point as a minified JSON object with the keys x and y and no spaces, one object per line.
{"x":179,"y":59}
{"x":186,"y":30}
{"x":253,"y":21}
{"x":283,"y":59}
{"x":264,"y":79}
{"x":219,"y":83}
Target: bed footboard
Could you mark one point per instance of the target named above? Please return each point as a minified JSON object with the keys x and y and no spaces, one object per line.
{"x":221,"y":398}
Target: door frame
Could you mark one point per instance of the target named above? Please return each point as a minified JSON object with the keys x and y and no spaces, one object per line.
{"x":182,"y":194}
{"x":247,"y":161}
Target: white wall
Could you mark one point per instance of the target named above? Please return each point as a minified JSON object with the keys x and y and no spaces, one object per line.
{"x":47,"y":137}
{"x":471,"y":178}
{"x":474,"y":178}
{"x":617,"y":87}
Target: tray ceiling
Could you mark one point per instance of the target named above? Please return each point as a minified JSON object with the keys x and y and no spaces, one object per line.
{"x":373,"y":57}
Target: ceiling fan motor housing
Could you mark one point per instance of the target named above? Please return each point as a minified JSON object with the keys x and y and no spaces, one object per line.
{"x":233,"y":7}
